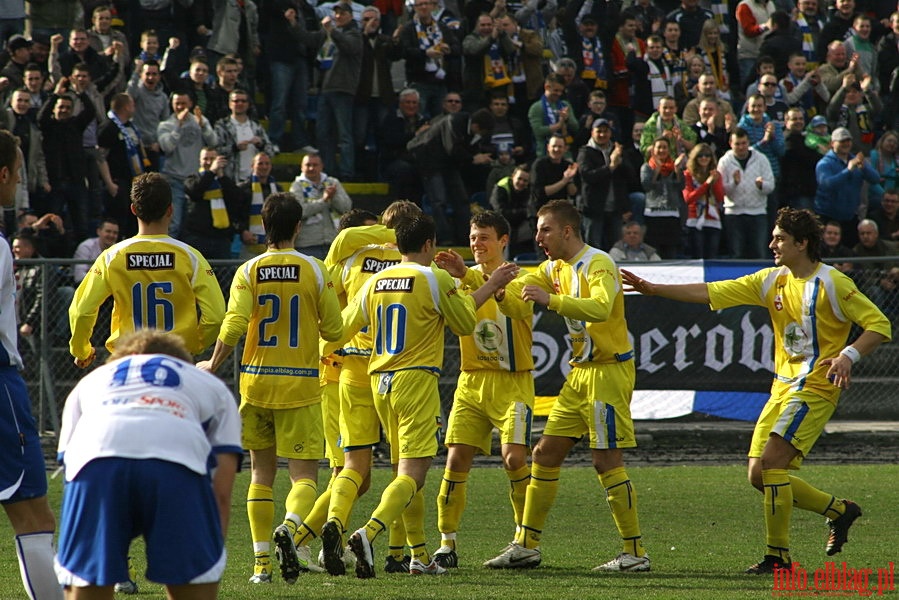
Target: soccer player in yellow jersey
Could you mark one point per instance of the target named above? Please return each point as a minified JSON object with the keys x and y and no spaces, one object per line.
{"x":406,"y":307}
{"x":496,"y":387}
{"x":156,"y":282}
{"x":581,"y":284}
{"x":283,"y":301}
{"x":812,"y":307}
{"x":358,"y":420}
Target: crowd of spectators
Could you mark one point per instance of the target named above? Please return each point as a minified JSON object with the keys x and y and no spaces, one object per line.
{"x":689,"y":124}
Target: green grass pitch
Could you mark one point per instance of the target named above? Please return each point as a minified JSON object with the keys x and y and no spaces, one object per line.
{"x":701,"y":525}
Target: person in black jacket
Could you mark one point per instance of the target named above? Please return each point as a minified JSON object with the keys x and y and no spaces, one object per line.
{"x":797,"y":167}
{"x":510,"y":197}
{"x":64,"y":155}
{"x":396,"y":130}
{"x":213,"y":208}
{"x":604,"y":199}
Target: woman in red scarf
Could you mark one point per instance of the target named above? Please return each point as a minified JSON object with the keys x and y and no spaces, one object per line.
{"x":704,"y":197}
{"x":662,"y":180}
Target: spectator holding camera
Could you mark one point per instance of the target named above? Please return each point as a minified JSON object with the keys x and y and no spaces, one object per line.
{"x":212,"y":208}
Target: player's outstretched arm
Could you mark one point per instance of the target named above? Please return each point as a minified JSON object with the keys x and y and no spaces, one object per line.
{"x":697,"y":293}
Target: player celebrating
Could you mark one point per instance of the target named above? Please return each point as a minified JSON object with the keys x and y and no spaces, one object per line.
{"x":407,"y":306}
{"x":812,"y":308}
{"x":282,"y":300}
{"x":581,"y":284}
{"x":23,"y":476}
{"x":147,"y":420}
{"x":156,"y":282}
{"x":496,"y":387}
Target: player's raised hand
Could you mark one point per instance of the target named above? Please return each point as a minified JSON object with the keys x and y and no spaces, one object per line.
{"x":632,"y":283}
{"x":535,"y":293}
{"x":451,"y":262}
{"x":504,"y":274}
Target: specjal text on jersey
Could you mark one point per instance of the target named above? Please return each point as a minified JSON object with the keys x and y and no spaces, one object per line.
{"x":394,"y":284}
{"x":278,"y":273}
{"x":150,"y":261}
{"x":374,"y":265}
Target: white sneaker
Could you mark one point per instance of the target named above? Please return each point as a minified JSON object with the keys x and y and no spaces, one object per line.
{"x":515,"y":556}
{"x":365,"y":556}
{"x":304,"y":555}
{"x":625,"y":562}
{"x":416,"y":567}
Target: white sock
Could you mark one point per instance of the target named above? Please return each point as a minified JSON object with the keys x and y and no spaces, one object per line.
{"x":35,"y":552}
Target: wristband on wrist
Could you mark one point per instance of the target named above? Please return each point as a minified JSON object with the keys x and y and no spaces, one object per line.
{"x":851,"y":353}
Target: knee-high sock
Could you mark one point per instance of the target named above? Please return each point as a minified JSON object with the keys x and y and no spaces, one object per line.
{"x":314,"y":521}
{"x":778,"y":510}
{"x":344,"y":492}
{"x":622,"y":499}
{"x":451,"y":503}
{"x":518,"y":481}
{"x":539,"y":498}
{"x":299,"y":503}
{"x":396,"y":538}
{"x":808,"y":497}
{"x":414,"y":520}
{"x":261,"y":513}
{"x":35,"y":552}
{"x":394,"y":500}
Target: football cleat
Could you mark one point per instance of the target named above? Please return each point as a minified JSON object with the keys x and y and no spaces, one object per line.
{"x":768,"y":565}
{"x":286,"y":554}
{"x":304,"y":556}
{"x":416,"y":567}
{"x":839,"y":528}
{"x":261,"y":578}
{"x":515,"y":556}
{"x":332,"y":546}
{"x":446,"y":557}
{"x":365,"y":556}
{"x":625,"y":562}
{"x":126,"y":587}
{"x":392,"y":565}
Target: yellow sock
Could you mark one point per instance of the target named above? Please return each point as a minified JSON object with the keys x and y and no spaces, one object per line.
{"x":299,"y":503}
{"x":451,"y":501}
{"x":394,"y":500}
{"x":518,"y":480}
{"x":314,"y":521}
{"x":414,"y":520}
{"x":622,"y":499}
{"x":808,"y":497}
{"x":344,"y":492}
{"x":262,"y":564}
{"x":541,"y":493}
{"x":396,"y":538}
{"x":261,"y":513}
{"x":778,"y":509}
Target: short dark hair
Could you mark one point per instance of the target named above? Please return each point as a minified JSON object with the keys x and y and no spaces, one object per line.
{"x":484,"y":119}
{"x":356,"y":217}
{"x":804,"y":226}
{"x":412,"y":234}
{"x":564,"y":212}
{"x":151,"y":196}
{"x":280,"y":214}
{"x":8,"y":150}
{"x":491,"y":218}
{"x":738,"y":133}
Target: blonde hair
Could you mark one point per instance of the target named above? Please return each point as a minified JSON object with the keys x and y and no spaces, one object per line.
{"x":398,"y":212}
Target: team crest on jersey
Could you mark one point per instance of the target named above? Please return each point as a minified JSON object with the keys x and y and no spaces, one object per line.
{"x":150,"y":261}
{"x":488,"y":336}
{"x":795,"y":339}
{"x":394,"y":284}
{"x":374,"y":265}
{"x":278,"y":273}
{"x":778,"y":302}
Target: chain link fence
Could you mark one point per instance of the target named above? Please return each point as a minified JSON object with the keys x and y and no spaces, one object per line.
{"x":50,"y":372}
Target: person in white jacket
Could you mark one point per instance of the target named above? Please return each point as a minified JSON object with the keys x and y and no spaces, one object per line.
{"x":748,"y":179}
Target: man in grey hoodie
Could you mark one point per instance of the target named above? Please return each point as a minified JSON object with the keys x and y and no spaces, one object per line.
{"x":181,"y":137}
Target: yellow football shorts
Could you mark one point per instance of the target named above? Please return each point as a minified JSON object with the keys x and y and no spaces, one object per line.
{"x":485,"y":399}
{"x":359,"y":424}
{"x":408,"y":405}
{"x":331,"y":422}
{"x":596,"y":400}
{"x":294,"y":432}
{"x":798,"y":417}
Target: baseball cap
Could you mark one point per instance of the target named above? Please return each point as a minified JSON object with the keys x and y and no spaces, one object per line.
{"x":345,"y":6}
{"x":601,"y":123}
{"x":17,"y":41}
{"x":817,"y":121}
{"x":840,"y":134}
